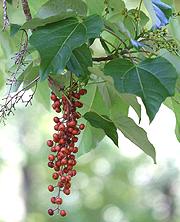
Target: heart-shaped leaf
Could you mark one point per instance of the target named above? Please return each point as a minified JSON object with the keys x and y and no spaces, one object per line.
{"x":153,"y":80}
{"x":55,"y":43}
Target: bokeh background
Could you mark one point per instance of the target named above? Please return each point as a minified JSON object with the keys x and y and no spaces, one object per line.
{"x":112,"y":185}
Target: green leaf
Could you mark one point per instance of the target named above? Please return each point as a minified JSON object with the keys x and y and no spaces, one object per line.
{"x":55,"y":43}
{"x":94,"y":25}
{"x":95,"y":6}
{"x":80,"y":60}
{"x":174,"y":59}
{"x":176,"y":108}
{"x":133,"y":102}
{"x":42,"y":94}
{"x":62,"y":7}
{"x":146,"y":80}
{"x":30,"y":76}
{"x":135,"y":134}
{"x":103,"y":122}
{"x":131,"y":24}
{"x":111,"y":96}
{"x":35,"y":5}
{"x":14,"y":28}
{"x":143,"y":20}
{"x":38,"y":22}
{"x":91,"y":136}
{"x":56,"y":10}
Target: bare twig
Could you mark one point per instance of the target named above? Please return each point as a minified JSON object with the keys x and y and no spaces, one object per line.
{"x":11,"y":100}
{"x":5,"y":15}
{"x":26,"y":10}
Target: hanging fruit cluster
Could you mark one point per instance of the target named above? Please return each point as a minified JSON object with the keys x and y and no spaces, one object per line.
{"x":63,"y":145}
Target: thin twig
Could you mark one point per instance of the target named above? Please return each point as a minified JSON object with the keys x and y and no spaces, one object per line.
{"x":101,"y":59}
{"x":107,"y":29}
{"x":26,"y":10}
{"x":12,"y":100}
{"x":5,"y":15}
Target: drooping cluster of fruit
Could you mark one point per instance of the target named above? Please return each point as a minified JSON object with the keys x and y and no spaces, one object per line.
{"x":63,"y":149}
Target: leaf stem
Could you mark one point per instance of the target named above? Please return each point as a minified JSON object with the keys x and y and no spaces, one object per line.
{"x":114,"y":34}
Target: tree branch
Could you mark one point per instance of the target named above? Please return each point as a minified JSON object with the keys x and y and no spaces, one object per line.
{"x":106,"y":58}
{"x":26,"y":10}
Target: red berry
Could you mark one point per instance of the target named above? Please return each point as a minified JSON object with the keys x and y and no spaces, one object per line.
{"x":70,"y":130}
{"x":74,"y":172}
{"x":50,"y":188}
{"x":53,"y":149}
{"x":56,"y":127}
{"x":75,"y":132}
{"x":76,"y":95}
{"x":56,"y":119}
{"x":51,"y":157}
{"x":58,"y":110}
{"x":61,"y":127}
{"x":72,"y":123}
{"x":57,"y":103}
{"x":53,"y":200}
{"x":60,"y":184}
{"x":58,"y":200}
{"x":68,"y":178}
{"x":56,"y":168}
{"x":70,"y":162}
{"x":74,"y":139}
{"x":63,"y":213}
{"x":55,"y":176}
{"x":75,"y":150}
{"x":60,"y":173}
{"x":58,"y":163}
{"x":50,"y":143}
{"x":64,"y":162}
{"x":51,"y":212}
{"x":78,"y":104}
{"x":68,"y":185}
{"x":62,"y":141}
{"x":58,"y":148}
{"x":66,"y":191}
{"x":53,"y":97}
{"x":82,"y":126}
{"x":63,"y":179}
{"x":63,"y":98}
{"x":50,"y":164}
{"x":83,"y":91}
